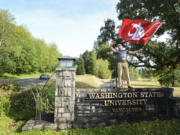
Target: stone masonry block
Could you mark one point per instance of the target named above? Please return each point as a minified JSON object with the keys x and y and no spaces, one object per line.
{"x":60,"y":91}
{"x":58,"y":101}
{"x":66,"y":99}
{"x":71,"y":108}
{"x":63,"y":125}
{"x":72,"y":117}
{"x":51,"y":126}
{"x":55,"y":110}
{"x":40,"y":127}
{"x":67,"y":74}
{"x":62,"y":120}
{"x":58,"y":74}
{"x":69,"y":92}
{"x":59,"y":115}
{"x":73,"y":84}
{"x":66,"y":115}
{"x":64,"y":104}
{"x":61,"y":110}
{"x":26,"y":128}
{"x":68,"y":83}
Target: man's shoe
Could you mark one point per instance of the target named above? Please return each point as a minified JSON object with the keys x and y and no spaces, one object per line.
{"x":130,"y":86}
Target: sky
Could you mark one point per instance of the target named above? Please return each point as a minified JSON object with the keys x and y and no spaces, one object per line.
{"x":72,"y":24}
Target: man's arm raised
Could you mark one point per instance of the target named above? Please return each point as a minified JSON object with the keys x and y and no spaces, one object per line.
{"x":111,"y":47}
{"x":135,"y":52}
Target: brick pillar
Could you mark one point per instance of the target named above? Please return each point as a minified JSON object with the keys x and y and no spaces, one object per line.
{"x":64,"y":97}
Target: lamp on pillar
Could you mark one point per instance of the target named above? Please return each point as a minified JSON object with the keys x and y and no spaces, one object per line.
{"x":67,"y":62}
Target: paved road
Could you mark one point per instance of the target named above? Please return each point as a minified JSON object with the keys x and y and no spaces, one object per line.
{"x":107,"y":84}
{"x":24,"y":83}
{"x":111,"y":84}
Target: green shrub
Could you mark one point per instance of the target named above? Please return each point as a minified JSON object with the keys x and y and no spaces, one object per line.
{"x":101,"y":69}
{"x":49,"y":98}
{"x":4,"y":105}
{"x":10,"y":86}
{"x":134,"y":73}
{"x":80,"y":66}
{"x":22,"y":105}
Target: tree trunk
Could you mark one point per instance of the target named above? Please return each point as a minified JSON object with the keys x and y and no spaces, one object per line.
{"x":173,"y":79}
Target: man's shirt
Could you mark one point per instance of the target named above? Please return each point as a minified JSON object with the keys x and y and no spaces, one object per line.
{"x":121,"y":55}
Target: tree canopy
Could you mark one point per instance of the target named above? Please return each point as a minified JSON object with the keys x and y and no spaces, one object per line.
{"x":161,"y":57}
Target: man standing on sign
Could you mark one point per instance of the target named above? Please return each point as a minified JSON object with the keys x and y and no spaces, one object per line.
{"x":121,"y":55}
{"x":133,"y":31}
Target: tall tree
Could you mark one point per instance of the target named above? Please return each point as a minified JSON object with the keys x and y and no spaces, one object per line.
{"x":89,"y":61}
{"x":80,"y":66}
{"x":21,"y":52}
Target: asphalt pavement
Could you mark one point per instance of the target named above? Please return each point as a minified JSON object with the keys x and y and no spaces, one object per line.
{"x":25,"y":82}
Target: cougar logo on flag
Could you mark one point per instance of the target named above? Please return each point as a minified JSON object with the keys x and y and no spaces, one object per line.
{"x":138,"y":34}
{"x":138,"y":31}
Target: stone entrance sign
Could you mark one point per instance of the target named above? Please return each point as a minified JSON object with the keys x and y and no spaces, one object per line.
{"x":83,"y":108}
{"x":102,"y":107}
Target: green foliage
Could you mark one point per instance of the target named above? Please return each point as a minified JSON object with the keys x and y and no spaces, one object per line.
{"x":49,"y":97}
{"x":177,"y":7}
{"x":134,"y":73}
{"x":101,"y":69}
{"x":107,"y":31}
{"x":89,"y":61}
{"x":10,"y":86}
{"x":170,"y":78}
{"x":44,"y":97}
{"x":80,"y":66}
{"x":21,"y":52}
{"x":22,"y":105}
{"x":177,"y":77}
{"x":4,"y":104}
{"x":146,"y":73}
{"x":97,"y":67}
{"x":102,"y":51}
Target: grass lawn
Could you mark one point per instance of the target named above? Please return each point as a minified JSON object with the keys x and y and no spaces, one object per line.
{"x":89,"y":81}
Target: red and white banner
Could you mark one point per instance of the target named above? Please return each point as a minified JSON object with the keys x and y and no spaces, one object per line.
{"x":138,"y":31}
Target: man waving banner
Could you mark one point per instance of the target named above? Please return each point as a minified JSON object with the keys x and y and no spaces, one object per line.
{"x":138,"y":31}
